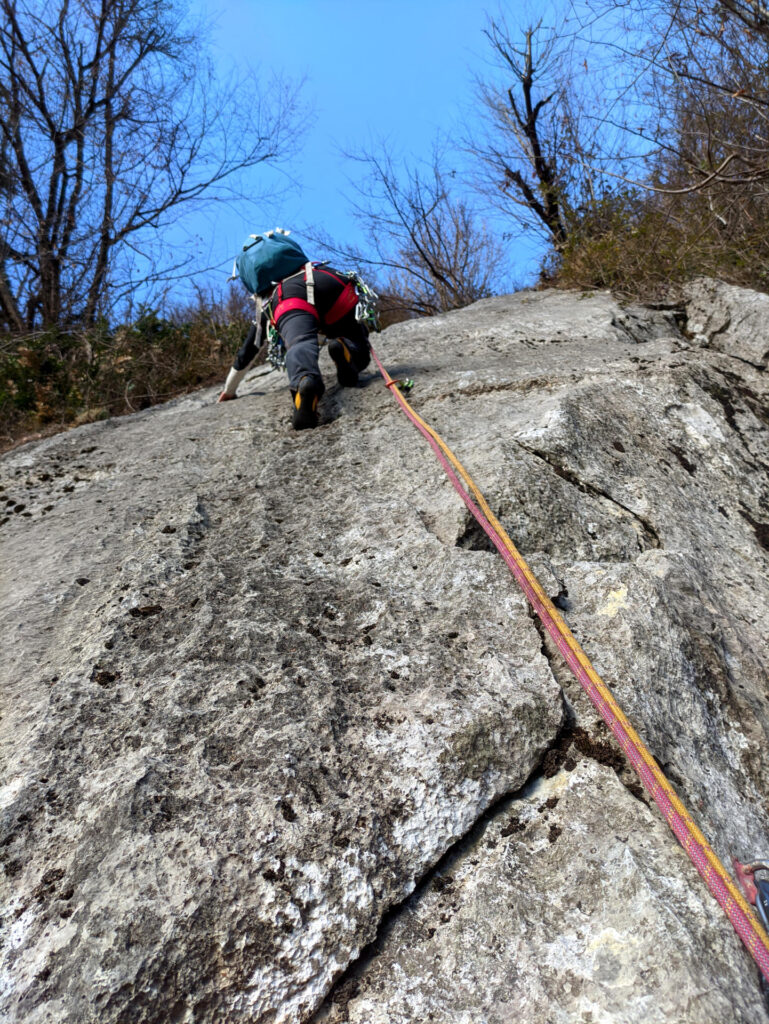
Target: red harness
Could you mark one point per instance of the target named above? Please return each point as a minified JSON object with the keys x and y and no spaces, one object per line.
{"x":346,"y":301}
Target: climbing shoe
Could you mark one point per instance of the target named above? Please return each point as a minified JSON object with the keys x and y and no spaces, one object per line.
{"x":306,"y":404}
{"x":346,"y":370}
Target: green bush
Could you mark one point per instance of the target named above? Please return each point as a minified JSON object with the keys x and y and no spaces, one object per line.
{"x":53,"y":379}
{"x":642,"y":245}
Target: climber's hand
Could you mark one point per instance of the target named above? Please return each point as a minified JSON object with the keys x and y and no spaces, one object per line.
{"x":224,"y":397}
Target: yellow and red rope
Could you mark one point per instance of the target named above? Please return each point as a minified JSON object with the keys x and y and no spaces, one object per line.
{"x":695,"y":844}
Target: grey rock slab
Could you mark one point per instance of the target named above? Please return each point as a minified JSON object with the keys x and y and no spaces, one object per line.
{"x":728,"y":318}
{"x":570,"y":905}
{"x":256,"y":683}
{"x":678,"y":623}
{"x":683,"y":671}
{"x":248,"y":700}
{"x":634,"y":476}
{"x":643,"y":486}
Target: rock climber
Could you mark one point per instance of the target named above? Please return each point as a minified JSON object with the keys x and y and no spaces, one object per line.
{"x":310,"y":298}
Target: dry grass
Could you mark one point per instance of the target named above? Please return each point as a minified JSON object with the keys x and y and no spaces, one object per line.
{"x":55,"y":379}
{"x":642,"y":247}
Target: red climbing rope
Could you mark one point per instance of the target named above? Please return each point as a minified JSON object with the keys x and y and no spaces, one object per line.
{"x":656,"y":784}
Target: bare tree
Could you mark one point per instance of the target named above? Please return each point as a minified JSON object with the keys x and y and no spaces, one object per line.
{"x":528,"y":149}
{"x":434,"y":251}
{"x":700,"y":73}
{"x":110,"y":123}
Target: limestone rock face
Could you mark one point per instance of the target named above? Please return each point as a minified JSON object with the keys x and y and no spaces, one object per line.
{"x":529,"y":921}
{"x":729,"y":319}
{"x":263,"y":691}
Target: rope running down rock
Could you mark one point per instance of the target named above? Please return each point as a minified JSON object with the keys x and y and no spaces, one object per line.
{"x":654,"y":781}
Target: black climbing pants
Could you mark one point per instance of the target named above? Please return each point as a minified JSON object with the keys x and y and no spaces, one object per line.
{"x":299,"y":329}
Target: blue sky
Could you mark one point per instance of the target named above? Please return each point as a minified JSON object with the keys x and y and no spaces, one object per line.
{"x":374,"y":69}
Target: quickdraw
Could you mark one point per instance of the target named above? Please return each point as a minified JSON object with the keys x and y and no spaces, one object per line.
{"x":367,"y":310}
{"x":757,"y":893}
{"x":276,"y":350}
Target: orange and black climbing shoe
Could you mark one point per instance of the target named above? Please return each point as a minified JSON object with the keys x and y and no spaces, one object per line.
{"x":346,"y":370}
{"x":306,"y":404}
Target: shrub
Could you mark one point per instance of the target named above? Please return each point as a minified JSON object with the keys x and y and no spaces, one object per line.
{"x":642,"y":245}
{"x":52,"y":379}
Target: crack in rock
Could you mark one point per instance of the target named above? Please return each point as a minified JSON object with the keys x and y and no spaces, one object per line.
{"x":535,"y":955}
{"x":553,"y":758}
{"x":648,"y":537}
{"x":602,"y":748}
{"x":570,"y":746}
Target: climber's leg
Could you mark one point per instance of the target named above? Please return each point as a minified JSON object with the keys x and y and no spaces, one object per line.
{"x":350,"y":350}
{"x":299,"y":331}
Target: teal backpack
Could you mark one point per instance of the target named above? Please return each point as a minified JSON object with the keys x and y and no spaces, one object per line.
{"x":266,"y":259}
